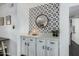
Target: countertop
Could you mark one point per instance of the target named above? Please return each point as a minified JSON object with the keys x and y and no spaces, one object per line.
{"x":3,"y":39}
{"x":42,"y":35}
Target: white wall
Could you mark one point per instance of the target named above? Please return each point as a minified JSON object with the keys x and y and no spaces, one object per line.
{"x":6,"y":30}
{"x":64,"y":30}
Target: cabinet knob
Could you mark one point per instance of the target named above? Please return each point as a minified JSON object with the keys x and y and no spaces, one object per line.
{"x":43,"y":47}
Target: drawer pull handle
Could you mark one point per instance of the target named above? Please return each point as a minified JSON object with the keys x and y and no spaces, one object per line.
{"x":27,"y":44}
{"x":52,"y":43}
{"x":40,"y":41}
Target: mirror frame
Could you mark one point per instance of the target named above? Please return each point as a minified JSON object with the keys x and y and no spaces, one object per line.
{"x":37,"y":18}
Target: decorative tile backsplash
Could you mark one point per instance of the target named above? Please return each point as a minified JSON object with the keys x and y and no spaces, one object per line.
{"x":51,"y":10}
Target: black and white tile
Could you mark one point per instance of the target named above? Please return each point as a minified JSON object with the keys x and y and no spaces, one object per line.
{"x":51,"y":10}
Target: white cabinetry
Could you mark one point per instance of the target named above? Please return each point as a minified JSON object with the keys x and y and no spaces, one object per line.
{"x":28,"y":46}
{"x":23,"y":46}
{"x":32,"y":49}
{"x":40,"y":47}
{"x":35,"y":46}
{"x":52,"y":48}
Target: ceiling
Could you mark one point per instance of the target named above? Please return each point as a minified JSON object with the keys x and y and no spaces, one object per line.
{"x":74,"y":11}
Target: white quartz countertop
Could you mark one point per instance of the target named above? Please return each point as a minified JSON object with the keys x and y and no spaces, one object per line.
{"x":41,"y":35}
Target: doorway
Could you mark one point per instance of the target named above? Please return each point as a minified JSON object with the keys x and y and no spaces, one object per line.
{"x":74,"y":31}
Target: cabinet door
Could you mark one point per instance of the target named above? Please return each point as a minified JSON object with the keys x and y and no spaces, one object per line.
{"x":56,"y":48}
{"x":51,"y":48}
{"x":32,"y":47}
{"x":40,"y":47}
{"x":23,"y":47}
{"x":26,"y":46}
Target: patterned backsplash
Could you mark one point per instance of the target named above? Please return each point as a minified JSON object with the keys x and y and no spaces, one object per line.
{"x":51,"y":10}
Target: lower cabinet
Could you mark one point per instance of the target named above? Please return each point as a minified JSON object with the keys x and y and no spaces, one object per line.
{"x":28,"y":47}
{"x":39,"y":47}
{"x":23,"y":46}
{"x":52,"y":48}
{"x":32,"y":50}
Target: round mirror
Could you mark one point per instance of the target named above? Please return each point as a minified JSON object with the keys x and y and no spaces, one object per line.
{"x":41,"y":21}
